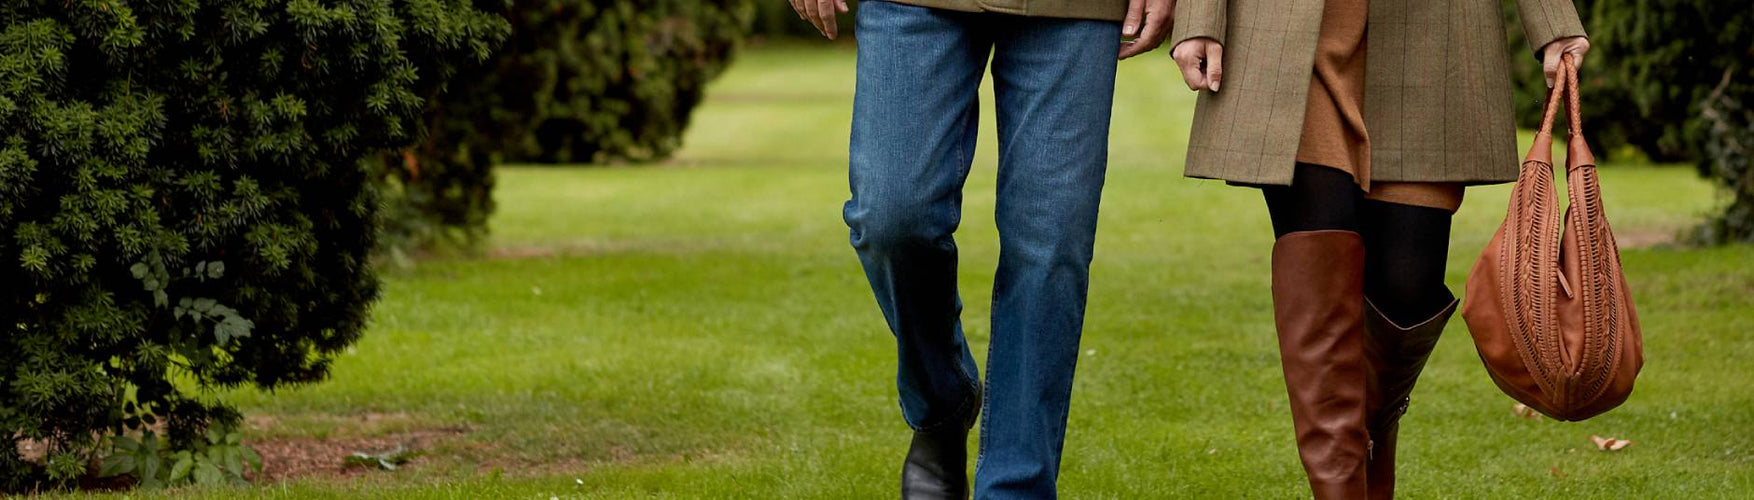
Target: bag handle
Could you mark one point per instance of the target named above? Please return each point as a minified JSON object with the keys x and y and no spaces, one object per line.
{"x":1565,"y":87}
{"x":1560,"y":82}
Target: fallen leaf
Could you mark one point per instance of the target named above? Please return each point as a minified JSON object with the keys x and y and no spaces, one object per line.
{"x":1609,"y":444}
{"x":1524,"y":411}
{"x":389,"y":460}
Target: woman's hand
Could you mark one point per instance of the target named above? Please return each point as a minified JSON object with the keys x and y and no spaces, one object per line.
{"x":821,"y":13}
{"x":1156,"y":18}
{"x":1202,"y":62}
{"x":1575,"y":46}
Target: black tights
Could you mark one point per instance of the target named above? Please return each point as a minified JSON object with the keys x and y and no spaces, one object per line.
{"x":1405,"y":247}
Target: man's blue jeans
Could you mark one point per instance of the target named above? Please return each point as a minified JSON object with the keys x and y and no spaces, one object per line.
{"x":913,"y":139}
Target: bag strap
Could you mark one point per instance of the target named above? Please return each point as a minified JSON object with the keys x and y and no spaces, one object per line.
{"x":1577,"y":154}
{"x":1551,"y":110}
{"x":1564,"y":93}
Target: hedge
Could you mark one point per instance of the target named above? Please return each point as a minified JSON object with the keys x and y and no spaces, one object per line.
{"x":579,"y":82}
{"x":185,"y":206}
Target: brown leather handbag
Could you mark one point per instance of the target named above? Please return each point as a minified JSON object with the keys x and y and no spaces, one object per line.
{"x":1553,"y":319}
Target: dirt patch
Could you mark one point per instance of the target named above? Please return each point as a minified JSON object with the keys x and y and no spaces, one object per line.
{"x":317,"y":445}
{"x":324,"y":458}
{"x":523,"y":252}
{"x":289,"y":458}
{"x":341,"y":436}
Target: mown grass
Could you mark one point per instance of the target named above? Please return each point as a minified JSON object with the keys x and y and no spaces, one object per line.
{"x":701,"y":329}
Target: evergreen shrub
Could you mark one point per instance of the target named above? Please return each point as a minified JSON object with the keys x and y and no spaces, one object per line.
{"x":186,"y":204}
{"x":578,"y":82}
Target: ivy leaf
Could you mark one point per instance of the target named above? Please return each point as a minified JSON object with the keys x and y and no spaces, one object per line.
{"x":232,"y":327}
{"x":253,"y":459}
{"x":208,"y":474}
{"x":234,"y":460}
{"x":151,"y":482}
{"x":180,"y":470}
{"x":125,"y":444}
{"x":149,"y":467}
{"x":139,"y":269}
{"x":216,"y":269}
{"x":116,"y":465}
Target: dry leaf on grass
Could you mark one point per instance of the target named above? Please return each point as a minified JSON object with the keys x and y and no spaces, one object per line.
{"x":1609,"y":444}
{"x":1524,"y":411}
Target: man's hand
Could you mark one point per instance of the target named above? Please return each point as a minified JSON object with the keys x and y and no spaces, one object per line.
{"x":1148,"y":23}
{"x":821,"y":13}
{"x":1575,"y":46}
{"x":1202,"y":62}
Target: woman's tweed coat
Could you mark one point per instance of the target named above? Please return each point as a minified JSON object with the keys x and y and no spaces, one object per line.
{"x":1437,"y":99}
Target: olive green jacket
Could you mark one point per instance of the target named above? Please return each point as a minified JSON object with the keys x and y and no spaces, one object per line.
{"x":1437,"y":93}
{"x":1102,"y":10}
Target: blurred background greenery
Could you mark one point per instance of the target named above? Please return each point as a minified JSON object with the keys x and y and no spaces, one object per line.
{"x":1667,"y":81}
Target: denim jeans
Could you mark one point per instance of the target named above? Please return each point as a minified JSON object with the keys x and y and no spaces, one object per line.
{"x":913,"y":139}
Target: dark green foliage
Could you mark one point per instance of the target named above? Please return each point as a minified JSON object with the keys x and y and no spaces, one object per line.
{"x":184,"y":203}
{"x":584,"y":81}
{"x":1728,"y":114}
{"x":1670,"y":79}
{"x":217,"y":459}
{"x":579,"y":81}
{"x":1651,"y":65}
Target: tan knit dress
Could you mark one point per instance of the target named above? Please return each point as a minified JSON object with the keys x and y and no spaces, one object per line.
{"x":1333,"y":127}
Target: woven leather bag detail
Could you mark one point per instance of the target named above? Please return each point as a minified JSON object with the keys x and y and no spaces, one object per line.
{"x":1552,"y":318}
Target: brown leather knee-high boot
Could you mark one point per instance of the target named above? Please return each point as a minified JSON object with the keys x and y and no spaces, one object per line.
{"x":1318,"y":306}
{"x":1397,"y":354}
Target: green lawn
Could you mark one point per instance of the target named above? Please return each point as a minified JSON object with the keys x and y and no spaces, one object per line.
{"x":702,"y":329}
